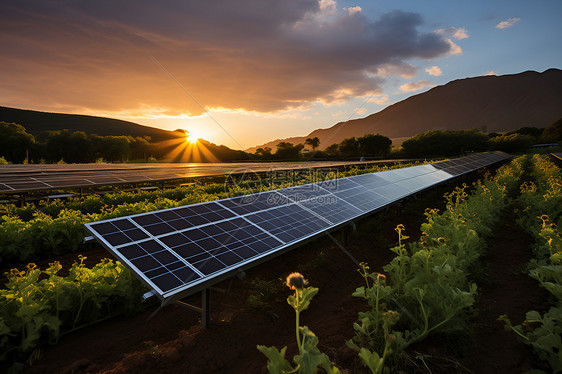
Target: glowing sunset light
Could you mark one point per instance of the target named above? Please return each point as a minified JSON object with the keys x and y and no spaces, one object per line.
{"x":247,"y":72}
{"x":193,"y":136}
{"x":187,"y":147}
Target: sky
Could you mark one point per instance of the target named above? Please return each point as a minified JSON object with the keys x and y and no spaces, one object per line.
{"x":245,"y":72}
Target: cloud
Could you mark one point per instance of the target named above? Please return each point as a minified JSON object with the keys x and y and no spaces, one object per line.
{"x":505,"y":24}
{"x":457,"y":33}
{"x":454,"y":48}
{"x":380,"y":100}
{"x":434,"y":70}
{"x":353,"y":10}
{"x":491,"y":72}
{"x":416,"y":86}
{"x":361,"y":111}
{"x":265,"y":56}
{"x":400,"y":68}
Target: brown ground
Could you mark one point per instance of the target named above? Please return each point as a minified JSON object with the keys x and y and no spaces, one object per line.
{"x":506,"y":289}
{"x":173,"y":342}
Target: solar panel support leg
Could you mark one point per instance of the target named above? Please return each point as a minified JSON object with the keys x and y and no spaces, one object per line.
{"x":205,"y":309}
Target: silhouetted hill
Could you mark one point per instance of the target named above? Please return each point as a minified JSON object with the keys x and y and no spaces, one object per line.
{"x":37,"y":122}
{"x":494,"y":103}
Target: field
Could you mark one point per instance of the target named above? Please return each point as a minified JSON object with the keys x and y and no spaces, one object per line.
{"x":442,"y":268}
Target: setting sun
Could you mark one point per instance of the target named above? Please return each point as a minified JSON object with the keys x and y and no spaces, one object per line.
{"x":193,"y":136}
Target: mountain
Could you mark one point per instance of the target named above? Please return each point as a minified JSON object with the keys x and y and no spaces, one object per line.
{"x":492,"y":103}
{"x":37,"y":122}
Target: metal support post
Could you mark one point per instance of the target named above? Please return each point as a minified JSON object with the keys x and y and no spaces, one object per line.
{"x":206,"y":308}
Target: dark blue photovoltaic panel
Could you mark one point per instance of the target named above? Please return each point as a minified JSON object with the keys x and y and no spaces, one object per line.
{"x":288,"y":223}
{"x":392,"y":192}
{"x":214,"y":247}
{"x":164,"y":222}
{"x":412,"y":185}
{"x":371,"y":181}
{"x":362,"y":198}
{"x":175,"y":249}
{"x":340,"y":184}
{"x":252,"y":203}
{"x":332,"y":208}
{"x":304,"y":192}
{"x":158,"y":264}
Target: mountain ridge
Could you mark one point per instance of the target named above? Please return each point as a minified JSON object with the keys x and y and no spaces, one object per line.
{"x":492,"y":103}
{"x":36,"y":122}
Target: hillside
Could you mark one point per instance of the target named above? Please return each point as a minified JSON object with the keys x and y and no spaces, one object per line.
{"x":494,"y":103}
{"x":36,"y":122}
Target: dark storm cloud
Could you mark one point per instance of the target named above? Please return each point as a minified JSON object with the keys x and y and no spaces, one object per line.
{"x":260,"y":55}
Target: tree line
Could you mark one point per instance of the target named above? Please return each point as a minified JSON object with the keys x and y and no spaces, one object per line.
{"x":369,"y":145}
{"x":18,"y":146}
{"x":437,"y":143}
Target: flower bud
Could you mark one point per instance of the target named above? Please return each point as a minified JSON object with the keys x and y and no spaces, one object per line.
{"x":296,"y":281}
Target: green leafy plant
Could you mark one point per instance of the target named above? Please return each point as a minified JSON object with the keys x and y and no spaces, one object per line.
{"x":542,"y":199}
{"x":37,"y":307}
{"x":545,"y":338}
{"x":428,"y":288}
{"x":373,"y":331}
{"x":264,"y":295}
{"x":309,"y":358}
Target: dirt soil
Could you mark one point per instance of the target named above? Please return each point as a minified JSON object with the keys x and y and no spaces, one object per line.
{"x":172,"y":341}
{"x":505,"y":289}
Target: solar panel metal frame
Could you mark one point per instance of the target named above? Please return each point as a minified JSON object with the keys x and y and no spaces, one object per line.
{"x":439,"y":169}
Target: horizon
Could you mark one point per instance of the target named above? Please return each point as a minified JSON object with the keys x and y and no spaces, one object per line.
{"x":274,"y":75}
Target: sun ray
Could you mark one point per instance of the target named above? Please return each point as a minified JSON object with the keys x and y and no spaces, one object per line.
{"x":187,"y":147}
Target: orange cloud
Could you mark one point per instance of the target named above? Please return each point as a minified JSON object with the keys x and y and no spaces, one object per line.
{"x":434,"y":70}
{"x":457,"y":33}
{"x":505,"y":24}
{"x":454,"y":48}
{"x":416,"y":86}
{"x":185,"y":57}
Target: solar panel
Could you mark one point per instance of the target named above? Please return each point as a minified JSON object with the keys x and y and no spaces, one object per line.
{"x":23,"y":178}
{"x":332,"y":209}
{"x":176,"y":249}
{"x":288,"y":223}
{"x":255,"y":202}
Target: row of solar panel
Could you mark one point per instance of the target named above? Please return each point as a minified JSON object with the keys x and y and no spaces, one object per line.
{"x":172,"y":250}
{"x":19,"y":178}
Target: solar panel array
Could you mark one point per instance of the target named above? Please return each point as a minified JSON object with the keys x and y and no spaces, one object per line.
{"x":176,"y":249}
{"x":25,"y":178}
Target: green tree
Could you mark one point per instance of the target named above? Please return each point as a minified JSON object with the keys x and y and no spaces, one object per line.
{"x":15,"y":142}
{"x":288,"y":151}
{"x":535,"y":132}
{"x":72,"y":147}
{"x":553,"y":132}
{"x":313,"y":142}
{"x":514,"y":143}
{"x":372,"y":145}
{"x":333,"y":150}
{"x":349,"y":147}
{"x":263,"y":153}
{"x":140,"y":147}
{"x":438,"y":143}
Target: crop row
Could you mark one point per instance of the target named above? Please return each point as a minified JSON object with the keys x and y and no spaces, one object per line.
{"x":52,"y":228}
{"x":38,"y":306}
{"x":541,"y":215}
{"x":426,"y":288}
